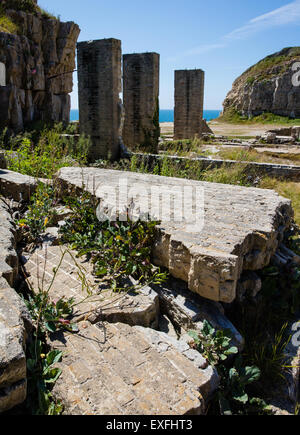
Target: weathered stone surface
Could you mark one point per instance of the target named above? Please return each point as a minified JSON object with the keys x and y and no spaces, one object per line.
{"x":8,"y":255}
{"x":268,"y":87}
{"x":140,"y":98}
{"x":189,"y":99}
{"x":14,"y":319}
{"x":115,"y":369}
{"x":140,"y":308}
{"x":2,"y":74}
{"x":13,"y":395}
{"x":99,"y":86}
{"x":16,"y":186}
{"x":242,"y":227}
{"x":39,"y":62}
{"x":188,"y":311}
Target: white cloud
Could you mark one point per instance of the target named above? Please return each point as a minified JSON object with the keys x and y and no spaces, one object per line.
{"x":279,"y":17}
{"x":285,"y":15}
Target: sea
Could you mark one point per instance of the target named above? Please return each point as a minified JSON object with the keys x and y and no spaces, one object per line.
{"x":164,"y":115}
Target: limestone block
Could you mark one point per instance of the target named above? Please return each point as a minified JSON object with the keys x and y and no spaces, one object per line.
{"x":242,"y":228}
{"x":14,"y":318}
{"x":115,"y":369}
{"x":16,"y":186}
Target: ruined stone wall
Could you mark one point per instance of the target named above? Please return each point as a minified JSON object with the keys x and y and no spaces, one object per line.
{"x":99,"y":85}
{"x":140,"y":96}
{"x":189,"y":99}
{"x":39,"y":63}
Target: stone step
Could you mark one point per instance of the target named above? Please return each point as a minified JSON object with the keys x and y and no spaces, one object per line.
{"x":242,"y":226}
{"x":115,"y":369}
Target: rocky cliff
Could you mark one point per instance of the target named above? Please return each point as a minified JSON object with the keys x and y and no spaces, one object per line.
{"x":268,"y":86}
{"x":39,"y":58}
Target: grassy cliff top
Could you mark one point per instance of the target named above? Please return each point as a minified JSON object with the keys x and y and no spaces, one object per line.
{"x":7,"y":24}
{"x":271,"y":66}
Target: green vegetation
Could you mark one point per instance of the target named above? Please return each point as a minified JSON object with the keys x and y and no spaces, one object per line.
{"x":21,"y":5}
{"x":39,"y":214}
{"x":6,"y":23}
{"x":232,"y":116}
{"x":232,"y":396}
{"x":119,"y":250}
{"x":263,"y":323}
{"x":214,"y":345}
{"x":287,"y":189}
{"x":48,"y":317}
{"x":265,"y":70}
{"x":42,"y":154}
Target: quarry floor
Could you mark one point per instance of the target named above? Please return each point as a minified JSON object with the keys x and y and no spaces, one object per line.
{"x":228,"y":129}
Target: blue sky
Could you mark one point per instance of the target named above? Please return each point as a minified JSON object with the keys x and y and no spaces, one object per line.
{"x":222,"y":37}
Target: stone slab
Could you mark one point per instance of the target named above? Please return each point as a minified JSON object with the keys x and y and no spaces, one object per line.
{"x":14,"y":324}
{"x":188,"y":311}
{"x":16,"y":186}
{"x":242,"y":227}
{"x":115,"y":369}
{"x":94,"y":302}
{"x":8,"y":255}
{"x":14,"y":320}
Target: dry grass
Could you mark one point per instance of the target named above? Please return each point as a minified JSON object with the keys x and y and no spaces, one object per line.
{"x":287,"y":189}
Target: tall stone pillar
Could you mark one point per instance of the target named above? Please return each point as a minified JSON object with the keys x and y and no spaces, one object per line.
{"x":189,"y":100}
{"x":99,"y":87}
{"x":141,"y":101}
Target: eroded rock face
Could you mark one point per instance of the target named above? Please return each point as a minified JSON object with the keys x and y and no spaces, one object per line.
{"x":241,"y":232}
{"x":38,"y":63}
{"x":269,"y":86}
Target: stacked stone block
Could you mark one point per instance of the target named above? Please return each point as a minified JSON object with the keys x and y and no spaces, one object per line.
{"x":99,"y":83}
{"x":189,"y":99}
{"x":141,"y":92}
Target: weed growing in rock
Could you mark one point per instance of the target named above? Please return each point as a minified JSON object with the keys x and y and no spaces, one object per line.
{"x":39,"y":214}
{"x":118,"y":249}
{"x":48,"y":317}
{"x":213,"y":345}
{"x":232,"y":396}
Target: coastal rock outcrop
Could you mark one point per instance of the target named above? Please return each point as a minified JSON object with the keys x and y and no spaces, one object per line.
{"x":39,"y":59}
{"x":272,"y":85}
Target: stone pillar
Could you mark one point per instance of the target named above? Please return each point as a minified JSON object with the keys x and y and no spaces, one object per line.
{"x":141,"y":101}
{"x":2,"y":74}
{"x":99,"y":87}
{"x":189,"y":100}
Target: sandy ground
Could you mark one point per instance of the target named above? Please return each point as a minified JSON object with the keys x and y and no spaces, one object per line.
{"x":225,"y":129}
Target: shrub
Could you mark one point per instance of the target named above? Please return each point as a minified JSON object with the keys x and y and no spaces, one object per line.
{"x":48,"y":154}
